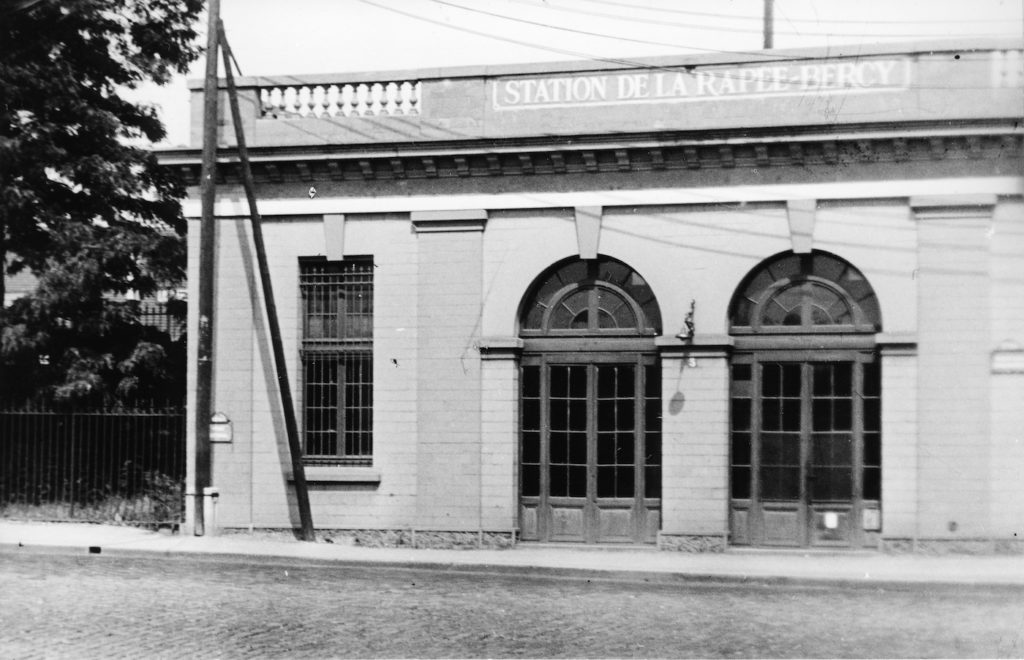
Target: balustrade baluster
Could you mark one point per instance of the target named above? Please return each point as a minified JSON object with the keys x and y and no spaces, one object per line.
{"x":406,"y":104}
{"x":377,"y":97}
{"x":333,"y":93}
{"x":290,"y":99}
{"x":319,"y":100}
{"x":276,"y":101}
{"x":265,"y":107}
{"x":362,"y":97}
{"x":348,"y":92}
{"x":362,"y":100}
{"x":391,"y":98}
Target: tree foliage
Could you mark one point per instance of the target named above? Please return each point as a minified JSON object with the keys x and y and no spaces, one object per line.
{"x":84,"y":205}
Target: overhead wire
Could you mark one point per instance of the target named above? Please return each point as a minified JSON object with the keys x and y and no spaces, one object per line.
{"x":617,"y":61}
{"x":769,"y":55}
{"x":553,"y":49}
{"x":720,"y":28}
{"x":714,"y":200}
{"x":815,"y":21}
{"x":554,"y":27}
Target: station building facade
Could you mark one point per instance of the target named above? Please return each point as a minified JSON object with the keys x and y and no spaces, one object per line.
{"x":763,"y":299}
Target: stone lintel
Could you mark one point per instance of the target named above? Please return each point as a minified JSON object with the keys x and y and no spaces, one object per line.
{"x":897,"y":343}
{"x":701,"y":345}
{"x":448,"y":221}
{"x":939,"y":207}
{"x":500,"y":348}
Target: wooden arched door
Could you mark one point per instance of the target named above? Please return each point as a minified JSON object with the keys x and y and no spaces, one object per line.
{"x":590,"y":413}
{"x":805,"y":405}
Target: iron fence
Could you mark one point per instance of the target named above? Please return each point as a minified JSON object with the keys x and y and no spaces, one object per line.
{"x":124,"y":465}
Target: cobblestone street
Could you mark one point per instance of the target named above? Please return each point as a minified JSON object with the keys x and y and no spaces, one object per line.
{"x":58,"y":605}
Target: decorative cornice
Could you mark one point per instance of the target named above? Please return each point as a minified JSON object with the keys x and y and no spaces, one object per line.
{"x":526,"y":158}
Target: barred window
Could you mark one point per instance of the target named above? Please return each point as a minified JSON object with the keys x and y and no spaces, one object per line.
{"x":337,"y":360}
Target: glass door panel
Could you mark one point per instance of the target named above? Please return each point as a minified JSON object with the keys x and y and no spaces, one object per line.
{"x":616,"y":439}
{"x":568,"y":423}
{"x":831,"y":465}
{"x":590,"y":451}
{"x":567,"y":446}
{"x":781,"y":457}
{"x":805,"y":451}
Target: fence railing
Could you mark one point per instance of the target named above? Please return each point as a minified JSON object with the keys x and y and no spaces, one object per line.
{"x":98,"y":465}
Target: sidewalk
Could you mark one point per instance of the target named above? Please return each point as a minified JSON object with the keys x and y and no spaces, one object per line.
{"x":854,"y":568}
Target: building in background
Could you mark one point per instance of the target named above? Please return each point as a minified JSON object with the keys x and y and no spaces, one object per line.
{"x":768,"y":299}
{"x":153,"y":310}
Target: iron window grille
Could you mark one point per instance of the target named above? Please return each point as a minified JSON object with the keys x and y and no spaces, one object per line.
{"x":337,"y":360}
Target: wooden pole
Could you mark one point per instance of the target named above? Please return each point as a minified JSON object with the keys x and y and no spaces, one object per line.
{"x":769,"y":23}
{"x":207,"y":256}
{"x":283,"y":386}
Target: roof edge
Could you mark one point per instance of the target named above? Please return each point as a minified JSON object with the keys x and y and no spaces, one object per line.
{"x":961,"y":44}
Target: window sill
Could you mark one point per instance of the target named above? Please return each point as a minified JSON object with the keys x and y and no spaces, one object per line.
{"x":341,"y":474}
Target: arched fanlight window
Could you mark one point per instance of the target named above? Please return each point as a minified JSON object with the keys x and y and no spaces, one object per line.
{"x":600,"y":296}
{"x":816,"y":292}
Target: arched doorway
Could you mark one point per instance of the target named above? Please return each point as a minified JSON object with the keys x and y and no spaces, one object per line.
{"x":590,"y":405}
{"x":805,"y":405}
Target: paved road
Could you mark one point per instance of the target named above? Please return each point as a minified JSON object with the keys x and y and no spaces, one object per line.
{"x":59,"y":605}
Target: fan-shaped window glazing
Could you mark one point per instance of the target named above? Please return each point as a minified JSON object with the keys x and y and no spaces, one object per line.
{"x":601,"y":296}
{"x":817,"y":292}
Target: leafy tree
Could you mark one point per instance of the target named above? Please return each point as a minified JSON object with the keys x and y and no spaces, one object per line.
{"x":84,"y":205}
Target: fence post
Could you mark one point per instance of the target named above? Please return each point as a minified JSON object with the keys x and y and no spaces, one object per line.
{"x":71,"y":464}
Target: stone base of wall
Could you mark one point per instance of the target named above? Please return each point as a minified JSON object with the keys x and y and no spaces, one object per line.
{"x":407,"y":538}
{"x":952,"y":546}
{"x":691,"y":543}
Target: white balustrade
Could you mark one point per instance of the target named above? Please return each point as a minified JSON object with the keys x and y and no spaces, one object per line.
{"x":385,"y":99}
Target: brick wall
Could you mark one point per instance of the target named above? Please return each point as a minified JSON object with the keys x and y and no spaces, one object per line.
{"x":445,"y":421}
{"x":953,"y":363}
{"x":253,"y":472}
{"x":1007,"y":414}
{"x":899,"y":445}
{"x":499,"y":439}
{"x":879,"y":237}
{"x":518,"y":246}
{"x":238,"y":317}
{"x":695,"y":451}
{"x":449,"y":451}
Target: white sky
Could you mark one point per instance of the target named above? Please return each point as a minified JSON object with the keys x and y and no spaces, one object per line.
{"x":295,"y":37}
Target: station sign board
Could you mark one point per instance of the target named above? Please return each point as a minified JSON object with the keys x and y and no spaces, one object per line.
{"x":680,"y":84}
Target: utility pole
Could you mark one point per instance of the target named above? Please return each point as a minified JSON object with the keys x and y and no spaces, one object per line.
{"x":769,"y":23}
{"x":207,"y":254}
{"x":281,"y":366}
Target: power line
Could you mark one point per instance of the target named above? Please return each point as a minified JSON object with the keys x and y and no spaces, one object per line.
{"x":557,"y":27}
{"x":563,"y":51}
{"x":716,"y":28}
{"x":635,"y":64}
{"x":814,"y":21}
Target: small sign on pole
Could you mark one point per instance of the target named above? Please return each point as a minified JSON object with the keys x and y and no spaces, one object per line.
{"x":220,"y":428}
